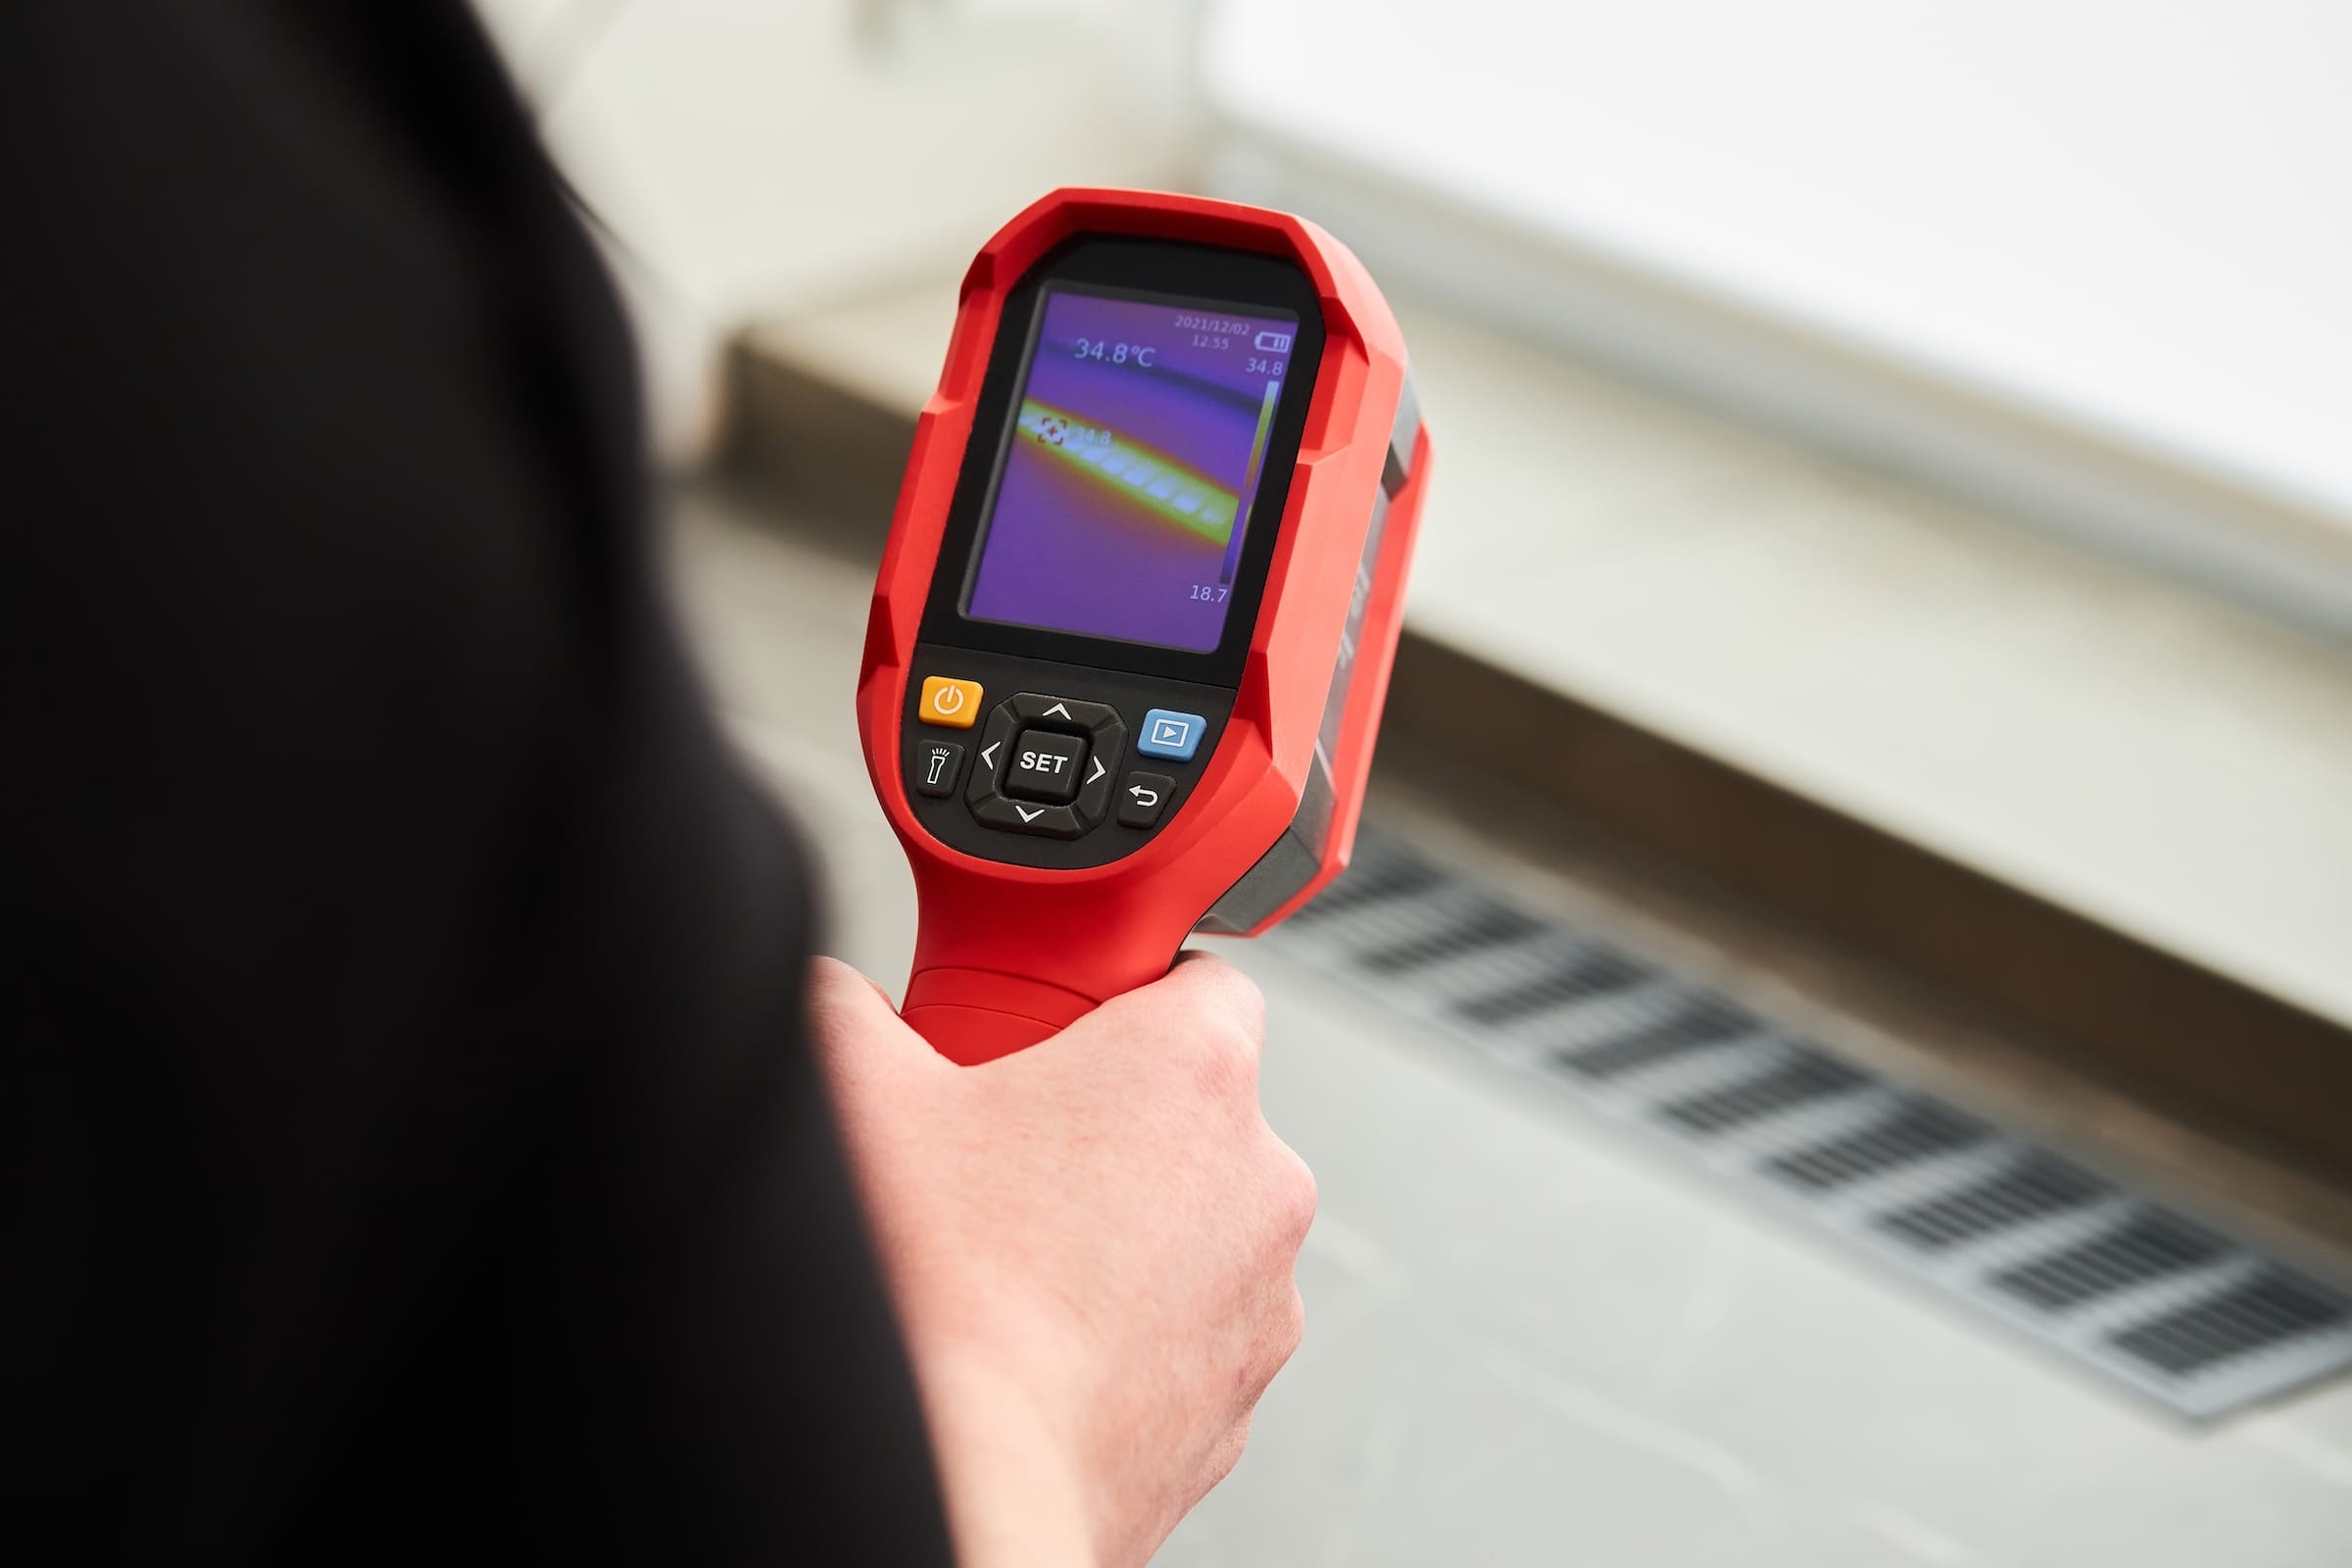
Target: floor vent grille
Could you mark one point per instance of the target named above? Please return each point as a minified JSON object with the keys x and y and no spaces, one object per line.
{"x":2173,"y":1308}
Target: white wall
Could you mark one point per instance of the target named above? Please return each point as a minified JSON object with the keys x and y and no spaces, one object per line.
{"x":2136,"y":214}
{"x":755,"y":155}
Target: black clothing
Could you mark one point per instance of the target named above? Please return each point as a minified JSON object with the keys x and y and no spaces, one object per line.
{"x":410,"y":1143}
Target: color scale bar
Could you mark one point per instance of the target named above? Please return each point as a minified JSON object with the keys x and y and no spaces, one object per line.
{"x":1258,"y":457}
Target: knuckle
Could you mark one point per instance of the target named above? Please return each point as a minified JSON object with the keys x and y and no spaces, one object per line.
{"x":1248,"y":1003}
{"x":1225,"y":1455}
{"x":1230,"y":991}
{"x":1228,"y":1064}
{"x":1280,"y":1332}
{"x":1292,"y":1330}
{"x":1297,"y":1196}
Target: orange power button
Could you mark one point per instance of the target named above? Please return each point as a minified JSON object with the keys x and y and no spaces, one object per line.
{"x":954,"y":703}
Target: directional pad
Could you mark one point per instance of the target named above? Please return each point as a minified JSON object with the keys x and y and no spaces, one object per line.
{"x":1045,"y":765}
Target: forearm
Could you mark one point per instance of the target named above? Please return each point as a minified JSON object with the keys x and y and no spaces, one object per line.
{"x":1012,"y":1495}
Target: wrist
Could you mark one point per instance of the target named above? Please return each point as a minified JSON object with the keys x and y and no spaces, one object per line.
{"x":1012,"y":1489}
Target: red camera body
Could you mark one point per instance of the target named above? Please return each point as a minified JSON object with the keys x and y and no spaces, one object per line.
{"x":1021,"y":933}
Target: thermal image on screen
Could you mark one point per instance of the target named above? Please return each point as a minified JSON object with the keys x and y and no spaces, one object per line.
{"x":1139,"y":436}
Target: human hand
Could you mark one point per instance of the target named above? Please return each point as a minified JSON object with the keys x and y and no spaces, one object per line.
{"x":1090,"y":1245}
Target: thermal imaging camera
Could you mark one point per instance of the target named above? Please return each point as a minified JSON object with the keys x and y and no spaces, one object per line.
{"x":1135,"y":619}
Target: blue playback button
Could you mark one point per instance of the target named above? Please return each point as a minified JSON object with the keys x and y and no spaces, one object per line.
{"x":1174,"y":736}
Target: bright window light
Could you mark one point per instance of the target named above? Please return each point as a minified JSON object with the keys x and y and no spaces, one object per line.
{"x":2138,"y":215}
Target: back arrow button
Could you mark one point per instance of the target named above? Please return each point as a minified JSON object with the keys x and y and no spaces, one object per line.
{"x":1143,"y":799}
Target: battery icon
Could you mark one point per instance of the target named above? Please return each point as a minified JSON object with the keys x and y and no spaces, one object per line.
{"x":1274,"y":342}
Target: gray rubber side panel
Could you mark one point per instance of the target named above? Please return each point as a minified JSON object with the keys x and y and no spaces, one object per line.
{"x":1401,"y":435}
{"x":1281,"y":871}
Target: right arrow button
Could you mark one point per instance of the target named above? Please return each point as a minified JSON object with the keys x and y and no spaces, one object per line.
{"x":1143,"y":798}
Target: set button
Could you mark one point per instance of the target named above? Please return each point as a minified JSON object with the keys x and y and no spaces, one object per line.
{"x":1045,"y":765}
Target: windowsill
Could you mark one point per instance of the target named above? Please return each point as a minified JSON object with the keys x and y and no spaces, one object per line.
{"x":2166,"y":764}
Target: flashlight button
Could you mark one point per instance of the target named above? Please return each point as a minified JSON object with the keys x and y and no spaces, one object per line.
{"x":935,"y":767}
{"x":949,"y":702}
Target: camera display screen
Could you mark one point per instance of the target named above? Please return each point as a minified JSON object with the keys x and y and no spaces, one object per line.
{"x":1136,"y":451}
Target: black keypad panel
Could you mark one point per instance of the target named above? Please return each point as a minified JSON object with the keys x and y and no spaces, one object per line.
{"x":1046,"y":771}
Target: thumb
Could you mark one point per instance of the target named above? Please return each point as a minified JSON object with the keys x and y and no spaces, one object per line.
{"x":858,"y":1036}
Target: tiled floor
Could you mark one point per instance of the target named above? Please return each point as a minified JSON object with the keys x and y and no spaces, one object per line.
{"x":1529,"y":1344}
